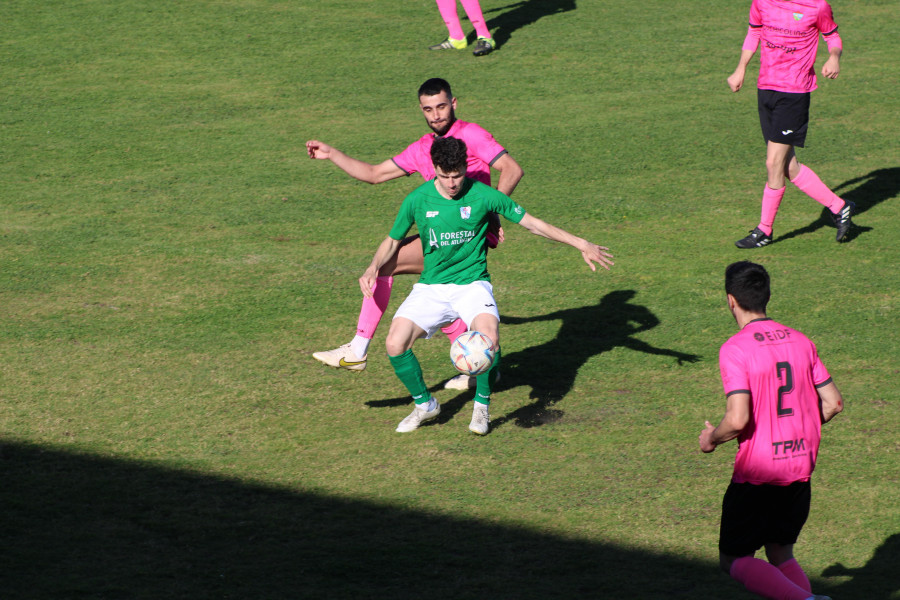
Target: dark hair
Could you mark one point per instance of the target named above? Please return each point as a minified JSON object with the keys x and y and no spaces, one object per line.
{"x":435,"y":86}
{"x":749,"y":284}
{"x":449,"y":154}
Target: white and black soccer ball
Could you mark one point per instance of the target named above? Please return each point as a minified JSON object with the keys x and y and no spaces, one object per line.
{"x":472,"y":353}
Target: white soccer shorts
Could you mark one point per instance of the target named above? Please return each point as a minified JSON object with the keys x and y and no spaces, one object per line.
{"x":431,"y":306}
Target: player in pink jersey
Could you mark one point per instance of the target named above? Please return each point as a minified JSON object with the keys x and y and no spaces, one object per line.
{"x":439,"y":108}
{"x":778,"y":394}
{"x":789,"y":31}
{"x":456,"y":39}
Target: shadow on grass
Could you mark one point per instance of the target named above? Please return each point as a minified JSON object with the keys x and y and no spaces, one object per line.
{"x":877,"y":579}
{"x":521,"y":14}
{"x":871,"y":190}
{"x":76,"y":526}
{"x":550,"y":368}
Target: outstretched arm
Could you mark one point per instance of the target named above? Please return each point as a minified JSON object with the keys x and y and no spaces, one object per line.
{"x":737,"y":416}
{"x":385,"y":250}
{"x":592,"y":253}
{"x":353,"y":167}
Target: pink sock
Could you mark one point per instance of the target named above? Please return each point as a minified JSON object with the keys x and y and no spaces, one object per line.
{"x":766,"y":580}
{"x":473,"y":11}
{"x":770,"y":202}
{"x":454,"y":329}
{"x":810,"y":184}
{"x":793,"y":571}
{"x":448,"y":12}
{"x":373,"y":308}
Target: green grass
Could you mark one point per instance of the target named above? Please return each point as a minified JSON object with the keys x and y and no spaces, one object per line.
{"x":169,"y":258}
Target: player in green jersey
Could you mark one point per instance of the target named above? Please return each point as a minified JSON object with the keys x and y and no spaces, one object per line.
{"x":451,"y":214}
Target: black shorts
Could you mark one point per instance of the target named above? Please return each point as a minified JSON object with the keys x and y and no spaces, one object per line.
{"x":755,"y":515}
{"x":784,"y":117}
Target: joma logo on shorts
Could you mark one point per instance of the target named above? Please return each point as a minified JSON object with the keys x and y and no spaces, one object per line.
{"x":790,"y":445}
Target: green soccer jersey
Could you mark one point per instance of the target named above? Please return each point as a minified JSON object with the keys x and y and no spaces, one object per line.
{"x":453,"y":232}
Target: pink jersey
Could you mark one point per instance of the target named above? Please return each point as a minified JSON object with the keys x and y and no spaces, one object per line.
{"x":481,"y":147}
{"x":780,"y":369}
{"x":789,"y":31}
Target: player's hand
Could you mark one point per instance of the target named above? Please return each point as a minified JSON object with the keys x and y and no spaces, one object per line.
{"x":831,"y":68}
{"x":597,"y":254}
{"x":706,"y":444}
{"x":317,"y":149}
{"x":736,"y":80}
{"x":367,"y":281}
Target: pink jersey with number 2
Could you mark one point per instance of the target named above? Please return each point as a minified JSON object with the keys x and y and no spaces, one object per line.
{"x":780,"y":368}
{"x":481,"y":148}
{"x":789,"y":36}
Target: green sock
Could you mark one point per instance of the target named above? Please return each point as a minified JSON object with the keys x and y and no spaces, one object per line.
{"x":408,"y":371}
{"x":483,"y":381}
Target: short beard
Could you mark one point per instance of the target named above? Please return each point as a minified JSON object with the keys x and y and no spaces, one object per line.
{"x":446,"y":128}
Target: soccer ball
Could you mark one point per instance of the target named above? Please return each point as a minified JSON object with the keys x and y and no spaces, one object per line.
{"x":472,"y":353}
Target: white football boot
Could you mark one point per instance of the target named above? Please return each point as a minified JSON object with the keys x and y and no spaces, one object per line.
{"x":465,"y":382}
{"x":419,"y":415}
{"x":341,"y":357}
{"x":481,"y":419}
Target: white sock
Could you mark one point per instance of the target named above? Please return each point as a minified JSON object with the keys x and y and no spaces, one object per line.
{"x":430,"y":405}
{"x":360,"y":346}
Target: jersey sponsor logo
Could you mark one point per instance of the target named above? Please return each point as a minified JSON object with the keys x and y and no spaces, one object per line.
{"x":792,"y":446}
{"x":784,"y":30}
{"x":798,"y":16}
{"x":432,"y":213}
{"x":465,"y":212}
{"x":775,"y":335}
{"x":786,"y":49}
{"x":454,"y":238}
{"x":432,"y":239}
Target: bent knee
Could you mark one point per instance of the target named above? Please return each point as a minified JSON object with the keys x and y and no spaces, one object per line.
{"x":395,"y":346}
{"x":398,"y":341}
